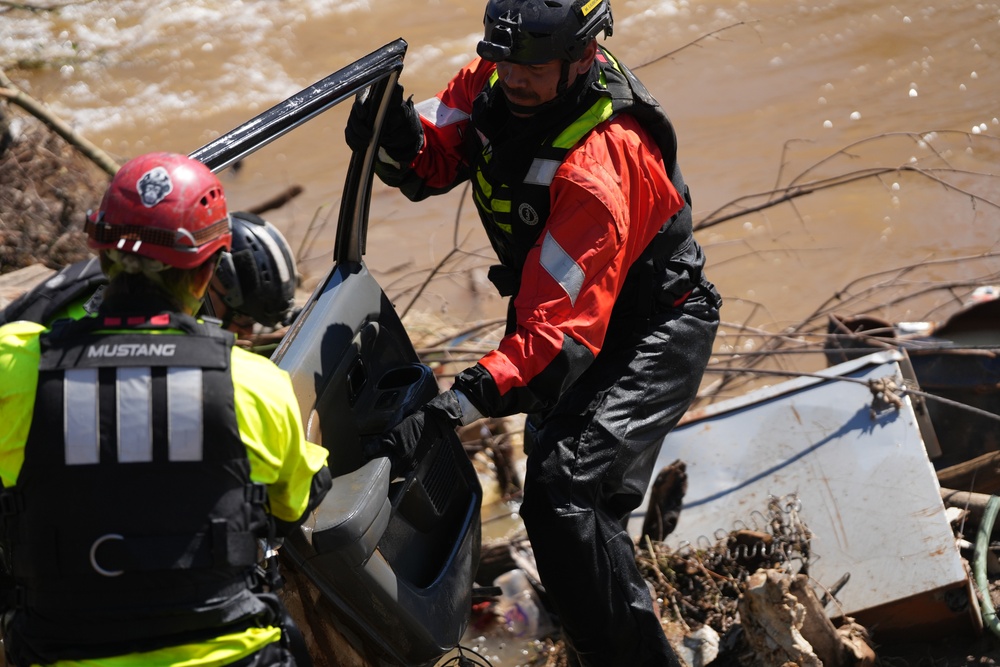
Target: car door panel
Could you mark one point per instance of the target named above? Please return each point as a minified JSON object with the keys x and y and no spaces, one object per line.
{"x":394,"y":558}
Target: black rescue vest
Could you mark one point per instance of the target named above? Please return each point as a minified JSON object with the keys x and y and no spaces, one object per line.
{"x":45,"y":300}
{"x":133,"y":524}
{"x":514,"y":208}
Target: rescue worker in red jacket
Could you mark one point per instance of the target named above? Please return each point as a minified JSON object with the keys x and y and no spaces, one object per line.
{"x":573,"y":168}
{"x":143,"y":456}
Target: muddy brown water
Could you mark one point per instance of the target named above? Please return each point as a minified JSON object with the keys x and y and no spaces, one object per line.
{"x":762,"y":94}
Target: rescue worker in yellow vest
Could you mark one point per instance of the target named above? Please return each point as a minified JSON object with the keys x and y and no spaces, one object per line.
{"x":573,"y":171}
{"x":143,"y":457}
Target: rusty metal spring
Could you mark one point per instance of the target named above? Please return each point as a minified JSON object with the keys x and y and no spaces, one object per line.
{"x":789,"y":535}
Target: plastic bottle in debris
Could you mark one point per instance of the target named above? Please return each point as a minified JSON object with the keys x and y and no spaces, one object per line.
{"x":519,"y":605}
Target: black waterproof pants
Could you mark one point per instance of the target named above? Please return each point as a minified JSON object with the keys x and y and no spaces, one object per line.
{"x":590,"y":462}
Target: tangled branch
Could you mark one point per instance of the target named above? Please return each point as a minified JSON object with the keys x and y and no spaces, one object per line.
{"x":16,"y":96}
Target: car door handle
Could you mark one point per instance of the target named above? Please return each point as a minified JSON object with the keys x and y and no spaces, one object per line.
{"x":357,"y":378}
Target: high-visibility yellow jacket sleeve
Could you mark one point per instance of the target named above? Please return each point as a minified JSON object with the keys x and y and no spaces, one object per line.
{"x":270,"y":424}
{"x":19,"y":355}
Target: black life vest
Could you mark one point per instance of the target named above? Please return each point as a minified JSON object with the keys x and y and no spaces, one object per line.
{"x":71,"y":284}
{"x":514,"y":208}
{"x":134,"y":522}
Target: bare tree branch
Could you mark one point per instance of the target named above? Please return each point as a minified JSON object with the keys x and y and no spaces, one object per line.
{"x":10,"y":92}
{"x":689,"y":44}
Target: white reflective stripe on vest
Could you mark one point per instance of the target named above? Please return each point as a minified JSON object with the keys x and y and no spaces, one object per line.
{"x":541,"y":171}
{"x":438,"y":114}
{"x":133,"y":389}
{"x":135,"y":423}
{"x":561,"y":267}
{"x":184,"y":414}
{"x":80,"y":417}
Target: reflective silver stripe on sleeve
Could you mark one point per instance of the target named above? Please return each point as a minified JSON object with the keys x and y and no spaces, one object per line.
{"x":561,"y":267}
{"x":438,"y":114}
{"x":184,"y":414}
{"x":80,"y":426}
{"x":541,"y":171}
{"x":384,"y":158}
{"x":135,"y":424}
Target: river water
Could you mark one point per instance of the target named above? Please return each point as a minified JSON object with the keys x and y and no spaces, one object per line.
{"x":762,"y":94}
{"x":759,"y":93}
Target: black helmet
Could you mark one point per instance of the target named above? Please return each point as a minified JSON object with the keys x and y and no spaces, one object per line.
{"x":258,"y":276}
{"x":529,"y":32}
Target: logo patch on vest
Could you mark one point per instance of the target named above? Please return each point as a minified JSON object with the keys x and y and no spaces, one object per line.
{"x":131,"y":350}
{"x":528,"y":214}
{"x":153,"y":186}
{"x":55,"y":281}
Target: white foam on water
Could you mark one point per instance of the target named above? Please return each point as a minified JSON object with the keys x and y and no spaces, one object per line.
{"x":149,"y":50}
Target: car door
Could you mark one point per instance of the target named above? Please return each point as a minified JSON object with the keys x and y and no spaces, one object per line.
{"x":394,"y":557}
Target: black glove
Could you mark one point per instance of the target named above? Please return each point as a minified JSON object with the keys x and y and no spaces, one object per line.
{"x":407,"y":442}
{"x":402,"y":134}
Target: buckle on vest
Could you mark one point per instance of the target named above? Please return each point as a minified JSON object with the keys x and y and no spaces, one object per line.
{"x":255,"y":493}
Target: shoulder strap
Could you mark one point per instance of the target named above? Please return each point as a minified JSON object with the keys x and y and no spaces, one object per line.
{"x":42,"y":302}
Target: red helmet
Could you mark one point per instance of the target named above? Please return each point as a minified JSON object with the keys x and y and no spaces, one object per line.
{"x":164,"y":206}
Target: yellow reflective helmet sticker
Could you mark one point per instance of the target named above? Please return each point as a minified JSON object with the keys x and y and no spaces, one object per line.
{"x":589,"y":7}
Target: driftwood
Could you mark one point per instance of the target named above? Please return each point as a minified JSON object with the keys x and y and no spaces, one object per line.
{"x":785,"y":624}
{"x":277,"y":201}
{"x":16,"y":283}
{"x":971,"y":502}
{"x":16,"y":96}
{"x":980,"y":475}
{"x":665,"y":500}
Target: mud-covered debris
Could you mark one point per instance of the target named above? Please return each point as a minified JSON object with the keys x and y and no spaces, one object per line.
{"x":46,"y":189}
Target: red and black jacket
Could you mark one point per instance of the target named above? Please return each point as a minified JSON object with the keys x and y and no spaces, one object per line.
{"x":585,"y":207}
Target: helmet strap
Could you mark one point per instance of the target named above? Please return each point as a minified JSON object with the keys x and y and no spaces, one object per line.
{"x":563,"y":79}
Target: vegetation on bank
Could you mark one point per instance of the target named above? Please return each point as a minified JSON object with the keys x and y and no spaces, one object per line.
{"x":46,"y":189}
